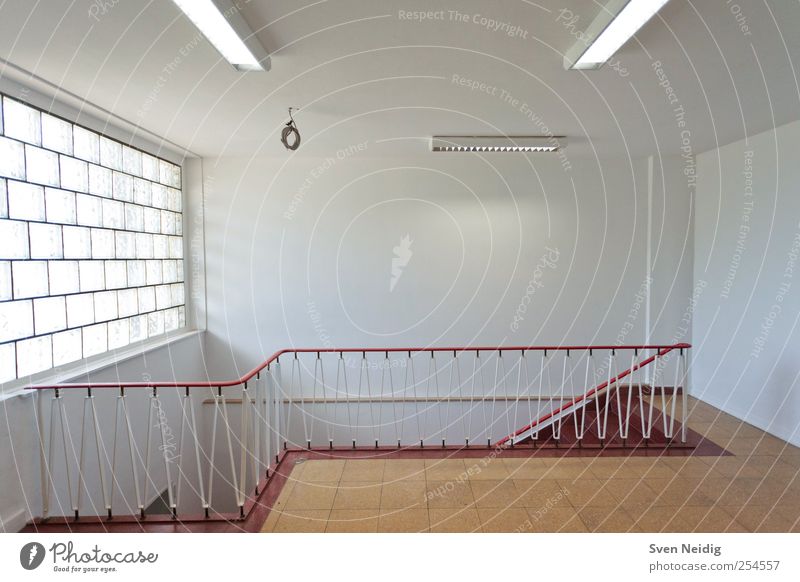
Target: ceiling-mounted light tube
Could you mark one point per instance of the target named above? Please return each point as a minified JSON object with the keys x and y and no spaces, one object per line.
{"x":222,"y":24}
{"x":617,"y":22}
{"x":497,"y":144}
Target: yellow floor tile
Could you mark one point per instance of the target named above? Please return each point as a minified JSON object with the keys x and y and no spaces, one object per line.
{"x":495,"y":494}
{"x":363,"y":470}
{"x":356,"y":495}
{"x":525,"y":468}
{"x":536,"y":494}
{"x":607,"y":519}
{"x":709,"y":519}
{"x":404,"y":520}
{"x":489,"y":470}
{"x":325,"y":470}
{"x":302,"y":521}
{"x":555,"y":520}
{"x":504,"y":520}
{"x":461,"y":520}
{"x":661,"y":520}
{"x":448,"y":494}
{"x":312,"y":496}
{"x":588,"y":492}
{"x":566,"y":468}
{"x":404,"y":469}
{"x":680,"y":492}
{"x":353,"y":521}
{"x":404,"y":494}
{"x":631,"y":491}
{"x":447,"y":469}
{"x":771,"y":519}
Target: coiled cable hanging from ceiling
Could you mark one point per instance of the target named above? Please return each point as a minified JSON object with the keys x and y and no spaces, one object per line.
{"x":289,"y":130}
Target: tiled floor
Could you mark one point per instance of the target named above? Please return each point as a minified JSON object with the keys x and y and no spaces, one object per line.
{"x":756,"y":489}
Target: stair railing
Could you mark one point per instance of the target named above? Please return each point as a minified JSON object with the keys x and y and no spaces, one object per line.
{"x":208,"y":449}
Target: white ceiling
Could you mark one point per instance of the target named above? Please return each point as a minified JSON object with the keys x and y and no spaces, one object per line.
{"x":360,"y":73}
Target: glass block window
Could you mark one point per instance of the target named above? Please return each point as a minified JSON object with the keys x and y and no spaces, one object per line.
{"x":91,"y":245}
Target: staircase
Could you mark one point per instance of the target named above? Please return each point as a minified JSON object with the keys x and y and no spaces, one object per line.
{"x":612,"y":414}
{"x":211,"y":450}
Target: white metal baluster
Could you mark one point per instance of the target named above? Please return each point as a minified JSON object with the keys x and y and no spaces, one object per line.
{"x":181,"y":440}
{"x":684,"y":392}
{"x":619,"y":387}
{"x":560,"y":399}
{"x":101,"y":466}
{"x":212,"y":465}
{"x":571,"y":382}
{"x":626,"y":422}
{"x":225,"y":418}
{"x":455,"y":375}
{"x":114,"y":453}
{"x":132,"y":450}
{"x":147,"y":480}
{"x":326,"y":404}
{"x":165,"y":451}
{"x":339,"y":367}
{"x":371,"y":399}
{"x":535,"y":422}
{"x":44,"y":468}
{"x":635,"y":373}
{"x":641,"y":394}
{"x":504,"y":395}
{"x":365,"y":365}
{"x":196,"y":441}
{"x":596,"y":380}
{"x":292,"y":392}
{"x":581,"y":431}
{"x":81,"y":455}
{"x":243,"y":440}
{"x":528,"y":387}
{"x":511,"y":419}
{"x":312,"y":406}
{"x":267,"y":405}
{"x":601,"y":434}
{"x":66,"y":438}
{"x":673,"y":401}
{"x":393,"y":397}
{"x":498,"y":363}
{"x":477,"y":367}
{"x":433,"y":379}
{"x":277,"y":404}
{"x":51,"y":445}
{"x":380,"y":398}
{"x":416,"y":398}
{"x":272,"y":434}
{"x":652,"y":399}
{"x":256,"y":420}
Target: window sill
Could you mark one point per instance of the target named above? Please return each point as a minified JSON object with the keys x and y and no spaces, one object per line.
{"x":70,"y":372}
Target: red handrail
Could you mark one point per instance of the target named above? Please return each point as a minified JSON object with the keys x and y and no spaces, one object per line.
{"x":274,"y":357}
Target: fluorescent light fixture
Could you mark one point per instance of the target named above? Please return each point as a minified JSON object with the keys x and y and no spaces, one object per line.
{"x":222,"y":24}
{"x":617,"y":22}
{"x":492,"y":144}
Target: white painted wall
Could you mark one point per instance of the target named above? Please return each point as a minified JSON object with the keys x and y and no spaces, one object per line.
{"x":747,"y":243}
{"x":299,"y":252}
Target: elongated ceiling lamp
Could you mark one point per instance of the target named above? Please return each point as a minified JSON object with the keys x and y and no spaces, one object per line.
{"x":617,"y":22}
{"x":222,"y":23}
